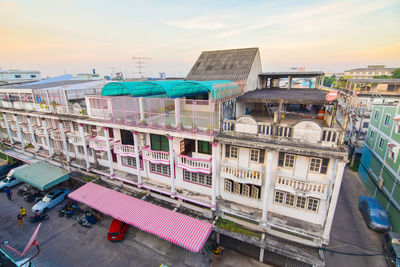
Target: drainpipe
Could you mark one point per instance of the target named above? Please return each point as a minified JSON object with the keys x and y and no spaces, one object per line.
{"x":80,"y":126}
{"x":139,"y":175}
{"x":110,"y":161}
{"x":8,"y":129}
{"x":172,"y":166}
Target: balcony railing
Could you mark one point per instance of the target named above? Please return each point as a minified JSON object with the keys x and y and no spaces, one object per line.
{"x":99,"y":143}
{"x":39,"y":132}
{"x":3,"y":124}
{"x":300,"y":186}
{"x":101,"y":114}
{"x":75,"y":138}
{"x":194,"y":164}
{"x":56,"y":135}
{"x":124,"y":150}
{"x":13,"y":125}
{"x":157,"y":157}
{"x":25,"y":128}
{"x":242,"y":175}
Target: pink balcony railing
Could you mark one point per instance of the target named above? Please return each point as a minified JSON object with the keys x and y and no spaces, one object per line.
{"x":157,"y":157}
{"x":98,"y":143}
{"x":124,"y":150}
{"x":194,"y":164}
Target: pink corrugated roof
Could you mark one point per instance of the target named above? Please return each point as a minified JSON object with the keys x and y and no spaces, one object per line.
{"x":177,"y":228}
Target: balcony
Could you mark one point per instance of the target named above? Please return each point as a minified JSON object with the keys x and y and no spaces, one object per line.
{"x":99,"y":143}
{"x":194,"y":165}
{"x":39,"y":132}
{"x":3,"y":124}
{"x":25,"y":128}
{"x":242,"y":175}
{"x":304,"y":188}
{"x":124,"y":150}
{"x":157,"y":157}
{"x":56,"y":135}
{"x":13,"y":125}
{"x":75,"y":138}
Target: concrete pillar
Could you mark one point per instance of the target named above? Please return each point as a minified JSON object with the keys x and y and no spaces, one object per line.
{"x":80,"y":126}
{"x":110,"y":161}
{"x":66,"y":151}
{"x":141,"y":109}
{"x":8,"y":128}
{"x":19,"y":132}
{"x":214,"y":177}
{"x":35,"y":145}
{"x":289,"y":82}
{"x":261,"y":256}
{"x":177,"y":113}
{"x":139,"y":175}
{"x":267,"y":184}
{"x":333,"y":201}
{"x":172,"y":165}
{"x":46,"y":134}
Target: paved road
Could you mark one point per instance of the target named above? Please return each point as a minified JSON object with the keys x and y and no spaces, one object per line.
{"x":349,"y":232}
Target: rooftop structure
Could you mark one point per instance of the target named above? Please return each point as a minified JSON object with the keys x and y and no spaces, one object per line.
{"x":369,"y":72}
{"x":238,"y":65}
{"x":18,"y":76}
{"x":272,"y":79}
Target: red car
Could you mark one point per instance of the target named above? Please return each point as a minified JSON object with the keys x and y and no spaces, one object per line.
{"x":117,"y":230}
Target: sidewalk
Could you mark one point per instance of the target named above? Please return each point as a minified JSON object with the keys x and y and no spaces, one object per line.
{"x":229,"y":258}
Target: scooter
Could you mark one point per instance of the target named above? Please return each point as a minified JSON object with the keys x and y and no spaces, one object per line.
{"x":69,"y":211}
{"x":84,"y":223}
{"x":35,"y":197}
{"x":39,"y":218}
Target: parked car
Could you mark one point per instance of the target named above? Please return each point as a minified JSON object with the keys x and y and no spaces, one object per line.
{"x":117,"y":230}
{"x":374,"y":214}
{"x":10,"y":180}
{"x":50,"y":200}
{"x":391,"y":247}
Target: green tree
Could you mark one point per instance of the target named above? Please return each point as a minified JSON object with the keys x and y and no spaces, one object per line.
{"x":396,"y":74}
{"x":329,"y":80}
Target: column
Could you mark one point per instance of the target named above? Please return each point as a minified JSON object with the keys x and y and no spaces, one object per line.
{"x":109,"y":156}
{"x":33,"y":135}
{"x":139,"y":175}
{"x":46,"y":134}
{"x":177,"y":113}
{"x":141,"y":109}
{"x":80,"y":126}
{"x":267,"y":185}
{"x":333,"y":201}
{"x":214,"y":177}
{"x":66,"y":151}
{"x":171,"y":165}
{"x":8,"y":129}
{"x":19,"y":132}
{"x":289,"y":82}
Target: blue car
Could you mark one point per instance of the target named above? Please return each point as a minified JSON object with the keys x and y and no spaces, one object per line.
{"x":50,"y":200}
{"x":374,"y":214}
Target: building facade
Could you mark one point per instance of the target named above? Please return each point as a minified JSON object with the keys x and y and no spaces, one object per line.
{"x":369,"y":72}
{"x":18,"y":76}
{"x":380,"y":162}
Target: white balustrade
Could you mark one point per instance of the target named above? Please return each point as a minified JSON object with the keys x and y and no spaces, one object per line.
{"x":98,"y":143}
{"x":124,"y":150}
{"x":194,"y":165}
{"x":156,"y":156}
{"x":300,"y":186}
{"x":242,"y":175}
{"x":264,"y":129}
{"x":228,"y":125}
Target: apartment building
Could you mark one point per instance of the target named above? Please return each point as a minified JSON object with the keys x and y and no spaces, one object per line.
{"x":380,"y":162}
{"x":369,"y":72}
{"x":18,"y":76}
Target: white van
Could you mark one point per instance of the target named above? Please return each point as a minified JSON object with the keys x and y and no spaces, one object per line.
{"x":10,"y":180}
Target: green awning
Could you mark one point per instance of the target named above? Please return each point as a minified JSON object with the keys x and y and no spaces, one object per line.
{"x":42,"y":175}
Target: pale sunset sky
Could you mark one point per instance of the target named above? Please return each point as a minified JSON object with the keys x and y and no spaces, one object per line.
{"x":71,"y":36}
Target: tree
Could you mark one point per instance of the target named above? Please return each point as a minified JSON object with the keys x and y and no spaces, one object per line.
{"x":329,"y":80}
{"x":342,"y":82}
{"x":396,"y":74}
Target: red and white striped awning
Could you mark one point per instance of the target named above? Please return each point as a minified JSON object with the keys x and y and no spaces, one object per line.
{"x":177,"y":228}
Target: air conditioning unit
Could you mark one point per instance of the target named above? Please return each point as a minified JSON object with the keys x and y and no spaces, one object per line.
{"x":380,"y":182}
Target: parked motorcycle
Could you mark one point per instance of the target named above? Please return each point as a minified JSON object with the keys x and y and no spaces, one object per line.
{"x":69,"y":210}
{"x":39,"y":218}
{"x":84,"y":223}
{"x":33,"y":197}
{"x":24,"y":191}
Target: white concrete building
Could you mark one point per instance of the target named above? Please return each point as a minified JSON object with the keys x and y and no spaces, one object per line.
{"x":18,"y":76}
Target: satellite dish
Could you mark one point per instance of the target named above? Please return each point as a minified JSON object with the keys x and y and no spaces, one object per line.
{"x":77,"y":108}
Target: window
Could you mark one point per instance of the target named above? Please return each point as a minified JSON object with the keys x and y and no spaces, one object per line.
{"x":198,"y":178}
{"x":159,"y":142}
{"x":160,"y":169}
{"x":286,"y":160}
{"x":246,"y":190}
{"x":381,"y":143}
{"x":315,"y":164}
{"x":365,"y":124}
{"x":228,"y":185}
{"x":371,"y":134}
{"x":33,"y":76}
{"x":71,"y":148}
{"x":391,"y":154}
{"x":312,"y":204}
{"x":376,"y":115}
{"x":301,"y":202}
{"x":255,"y":192}
{"x":17,"y":76}
{"x":236,"y":188}
{"x":204,"y":147}
{"x":231,"y":151}
{"x":279,"y":197}
{"x":387,"y":120}
{"x":80,"y":149}
{"x":129,"y":161}
{"x":289,"y":200}
{"x":324,"y":166}
{"x":254,"y":155}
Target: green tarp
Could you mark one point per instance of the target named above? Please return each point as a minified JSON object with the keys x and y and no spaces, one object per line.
{"x":41,"y":175}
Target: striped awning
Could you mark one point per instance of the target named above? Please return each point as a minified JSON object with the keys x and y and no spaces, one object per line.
{"x":177,"y":228}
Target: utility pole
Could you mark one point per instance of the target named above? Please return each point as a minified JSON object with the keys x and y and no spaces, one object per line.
{"x":358,"y":136}
{"x":140,"y":64}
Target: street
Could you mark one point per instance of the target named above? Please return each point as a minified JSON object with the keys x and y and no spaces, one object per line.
{"x":350,"y":233}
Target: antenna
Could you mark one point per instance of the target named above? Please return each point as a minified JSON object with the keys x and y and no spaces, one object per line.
{"x":140,"y":64}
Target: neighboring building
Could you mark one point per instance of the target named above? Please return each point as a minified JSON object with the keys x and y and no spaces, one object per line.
{"x":380,"y":162}
{"x":238,"y":65}
{"x":355,"y":102}
{"x":369,"y":72}
{"x":18,"y":76}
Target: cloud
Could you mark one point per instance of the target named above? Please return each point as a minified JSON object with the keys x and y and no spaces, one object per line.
{"x":200,"y":23}
{"x":8,"y":5}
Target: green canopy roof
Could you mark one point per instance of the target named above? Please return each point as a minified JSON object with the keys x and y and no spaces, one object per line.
{"x":172,"y":89}
{"x":41,"y":175}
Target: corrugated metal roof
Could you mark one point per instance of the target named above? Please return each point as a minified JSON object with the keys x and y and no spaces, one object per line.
{"x":388,"y":81}
{"x":292,"y":95}
{"x":292,"y":73}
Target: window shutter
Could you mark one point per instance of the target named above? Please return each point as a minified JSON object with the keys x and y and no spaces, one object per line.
{"x":227,"y":151}
{"x":261,"y":158}
{"x":281,"y":159}
{"x":324,"y":166}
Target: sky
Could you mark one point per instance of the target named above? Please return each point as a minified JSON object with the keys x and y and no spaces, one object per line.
{"x":68,"y":36}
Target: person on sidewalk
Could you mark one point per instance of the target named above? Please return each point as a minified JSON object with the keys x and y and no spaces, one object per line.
{"x":20,"y":220}
{"x":8,"y":192}
{"x":22,"y":210}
